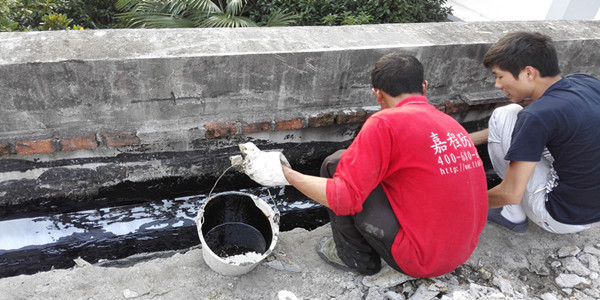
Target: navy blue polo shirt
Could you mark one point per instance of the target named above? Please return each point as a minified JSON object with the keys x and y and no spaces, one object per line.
{"x":566,"y":120}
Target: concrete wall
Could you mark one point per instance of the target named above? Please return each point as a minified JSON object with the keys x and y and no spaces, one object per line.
{"x":86,"y":112}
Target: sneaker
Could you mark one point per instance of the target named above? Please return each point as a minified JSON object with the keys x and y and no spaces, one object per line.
{"x":328,"y":252}
{"x":495,"y":216}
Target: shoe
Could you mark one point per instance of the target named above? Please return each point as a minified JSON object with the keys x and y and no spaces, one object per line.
{"x":328,"y":252}
{"x":495,"y":216}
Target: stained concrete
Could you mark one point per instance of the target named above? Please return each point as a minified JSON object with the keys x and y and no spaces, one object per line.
{"x":87,"y":111}
{"x":158,"y":89}
{"x":504,"y":266}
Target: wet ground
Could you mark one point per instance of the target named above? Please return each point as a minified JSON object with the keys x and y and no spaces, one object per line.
{"x":135,"y":218}
{"x":32,"y":244}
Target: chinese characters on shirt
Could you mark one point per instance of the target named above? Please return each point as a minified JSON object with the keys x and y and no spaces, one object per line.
{"x":454,"y":152}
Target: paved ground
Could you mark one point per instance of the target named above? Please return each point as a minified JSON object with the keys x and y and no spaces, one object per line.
{"x":537,"y":265}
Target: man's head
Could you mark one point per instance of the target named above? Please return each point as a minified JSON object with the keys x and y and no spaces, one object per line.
{"x":517,"y":50}
{"x":525,"y":65}
{"x":397,"y":74}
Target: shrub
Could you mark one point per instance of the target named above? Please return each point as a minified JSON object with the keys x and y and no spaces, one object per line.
{"x":98,"y":14}
{"x":349,"y":12}
{"x":6,"y":20}
{"x":56,"y":14}
{"x":92,"y":14}
{"x":195,"y":13}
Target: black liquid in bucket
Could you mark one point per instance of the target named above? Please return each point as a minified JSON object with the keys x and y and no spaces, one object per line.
{"x":235,"y":238}
{"x":233,"y":225}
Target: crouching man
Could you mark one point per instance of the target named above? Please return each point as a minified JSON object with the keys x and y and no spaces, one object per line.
{"x":410,"y":189}
{"x":548,"y":153}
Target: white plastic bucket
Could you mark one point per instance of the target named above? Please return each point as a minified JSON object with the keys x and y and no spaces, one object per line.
{"x":257,"y":226}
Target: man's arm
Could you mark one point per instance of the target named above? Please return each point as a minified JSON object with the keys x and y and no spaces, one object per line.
{"x":312,"y":186}
{"x":479,"y":137}
{"x":512,"y":188}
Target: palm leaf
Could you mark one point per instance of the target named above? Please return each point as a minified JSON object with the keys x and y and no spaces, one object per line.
{"x":224,"y":20}
{"x":126,"y":5}
{"x":235,"y":7}
{"x":280,"y":17}
{"x":183,"y":13}
{"x":156,"y":14}
{"x":206,"y":6}
{"x":161,"y":21}
{"x":174,"y":8}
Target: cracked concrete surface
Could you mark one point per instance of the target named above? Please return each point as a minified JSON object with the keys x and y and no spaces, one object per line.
{"x":536,"y":265}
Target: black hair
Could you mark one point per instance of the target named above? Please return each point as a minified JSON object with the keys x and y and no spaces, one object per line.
{"x":398,"y":73}
{"x":517,"y":50}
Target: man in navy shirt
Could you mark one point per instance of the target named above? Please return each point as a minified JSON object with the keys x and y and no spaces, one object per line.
{"x":548,"y":153}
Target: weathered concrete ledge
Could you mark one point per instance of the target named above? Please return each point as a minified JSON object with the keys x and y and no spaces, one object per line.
{"x":86,"y":112}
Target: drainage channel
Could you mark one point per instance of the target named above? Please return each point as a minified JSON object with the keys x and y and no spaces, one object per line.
{"x":31,"y":245}
{"x":122,"y":235}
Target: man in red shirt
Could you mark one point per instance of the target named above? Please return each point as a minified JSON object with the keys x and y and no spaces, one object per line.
{"x":410,"y":189}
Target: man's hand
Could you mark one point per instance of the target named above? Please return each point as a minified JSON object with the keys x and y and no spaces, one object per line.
{"x":311,"y":186}
{"x":263,"y":167}
{"x":512,"y":188}
{"x":480,"y":137}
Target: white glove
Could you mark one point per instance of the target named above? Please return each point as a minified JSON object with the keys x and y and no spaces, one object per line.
{"x":261,"y":166}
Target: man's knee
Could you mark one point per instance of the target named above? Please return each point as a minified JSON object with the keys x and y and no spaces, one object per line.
{"x":330,"y":164}
{"x":502,"y":122}
{"x":505,"y":112}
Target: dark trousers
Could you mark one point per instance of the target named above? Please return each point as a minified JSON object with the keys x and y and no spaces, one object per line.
{"x":363,"y":239}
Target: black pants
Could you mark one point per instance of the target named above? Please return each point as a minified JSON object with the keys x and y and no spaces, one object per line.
{"x":364,"y":238}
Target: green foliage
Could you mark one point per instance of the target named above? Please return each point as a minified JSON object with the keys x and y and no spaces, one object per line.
{"x":346,"y":18}
{"x":55,"y":22}
{"x":6,"y":21}
{"x":278,"y":17}
{"x":92,"y":14}
{"x":28,"y":15}
{"x":193,"y":13}
{"x":96,"y":14}
{"x":353,"y":12}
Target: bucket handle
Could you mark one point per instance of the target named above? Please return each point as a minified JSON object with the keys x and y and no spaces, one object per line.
{"x":215,"y":185}
{"x":200,"y":217}
{"x":277,"y":214}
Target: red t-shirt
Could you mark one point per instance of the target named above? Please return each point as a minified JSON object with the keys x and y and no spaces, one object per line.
{"x":433,"y":177}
